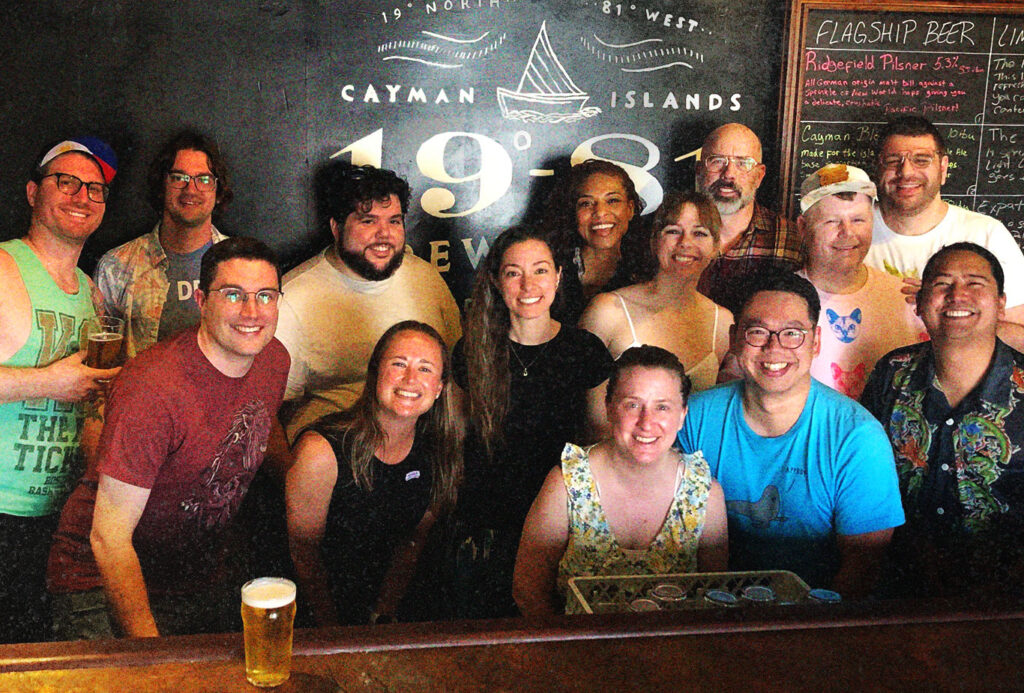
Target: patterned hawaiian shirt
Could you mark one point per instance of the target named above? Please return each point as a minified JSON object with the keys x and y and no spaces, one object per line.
{"x":769,"y":243}
{"x":133,"y":280}
{"x":961,"y":470}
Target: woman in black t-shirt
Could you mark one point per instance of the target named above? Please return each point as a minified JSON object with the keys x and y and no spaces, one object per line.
{"x":368,"y":483}
{"x":528,"y":379}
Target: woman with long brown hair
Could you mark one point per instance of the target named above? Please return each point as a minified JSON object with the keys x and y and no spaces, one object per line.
{"x":368,"y":483}
{"x":528,"y":379}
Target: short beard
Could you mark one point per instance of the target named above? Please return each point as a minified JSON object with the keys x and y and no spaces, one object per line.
{"x":730,"y":206}
{"x":364,"y":268}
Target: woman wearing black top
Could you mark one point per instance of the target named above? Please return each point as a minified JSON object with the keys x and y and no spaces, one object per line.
{"x":528,"y":379}
{"x":368,"y":483}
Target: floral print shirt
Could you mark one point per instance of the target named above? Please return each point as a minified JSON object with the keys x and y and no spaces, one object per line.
{"x":592,"y":548}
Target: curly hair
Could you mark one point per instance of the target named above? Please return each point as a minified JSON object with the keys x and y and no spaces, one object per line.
{"x":164,"y":160}
{"x":341,"y":188}
{"x":358,"y":432}
{"x":486,"y":340}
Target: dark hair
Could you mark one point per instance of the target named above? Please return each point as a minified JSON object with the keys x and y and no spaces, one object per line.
{"x":164,"y":161}
{"x":668,"y":212}
{"x":911,"y":126}
{"x":486,"y":338}
{"x":560,"y":215}
{"x":341,"y":188}
{"x":647,"y":356}
{"x":781,"y":281}
{"x":230,"y":249}
{"x":981,"y":251}
{"x":357,"y":432}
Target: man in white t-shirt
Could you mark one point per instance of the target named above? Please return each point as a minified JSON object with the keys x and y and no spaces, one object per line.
{"x":912,"y":221}
{"x":337,"y":304}
{"x":863,"y":313}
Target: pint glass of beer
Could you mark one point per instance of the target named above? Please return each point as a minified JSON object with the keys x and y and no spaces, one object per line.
{"x":104,"y":335}
{"x":268,"y":612}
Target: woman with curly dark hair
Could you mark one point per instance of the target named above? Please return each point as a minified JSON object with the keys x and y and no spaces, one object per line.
{"x":528,"y":379}
{"x":594,"y":212}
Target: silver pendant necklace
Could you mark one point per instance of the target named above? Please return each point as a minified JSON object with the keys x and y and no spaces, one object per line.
{"x":526,"y":366}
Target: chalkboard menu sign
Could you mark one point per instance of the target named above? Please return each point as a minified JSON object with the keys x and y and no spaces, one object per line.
{"x":961,"y":65}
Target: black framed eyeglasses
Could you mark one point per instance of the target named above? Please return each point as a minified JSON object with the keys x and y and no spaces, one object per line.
{"x":204,"y":182}
{"x":70,"y":185}
{"x":789,"y":337}
{"x":237,"y":297}
{"x":717,"y":162}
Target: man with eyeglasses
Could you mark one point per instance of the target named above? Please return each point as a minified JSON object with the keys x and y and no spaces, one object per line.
{"x":345,"y":297}
{"x":44,"y":301}
{"x":954,"y":411}
{"x":863,"y":313}
{"x":149,"y":281}
{"x":912,"y":221}
{"x":187,"y":424}
{"x":754,"y":238}
{"x":808,"y":474}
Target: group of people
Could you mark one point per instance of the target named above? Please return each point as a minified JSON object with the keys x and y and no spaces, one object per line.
{"x":620,"y":397}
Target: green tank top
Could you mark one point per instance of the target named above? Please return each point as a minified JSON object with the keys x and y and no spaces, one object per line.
{"x":39,"y":460}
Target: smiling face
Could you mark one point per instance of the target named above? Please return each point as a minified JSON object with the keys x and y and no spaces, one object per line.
{"x":71,"y":218}
{"x":410,"y":376}
{"x":603,"y":211}
{"x":837,"y":233}
{"x":646,"y":412}
{"x":371,"y":243}
{"x":961,"y":300}
{"x":188,"y":207}
{"x":527,"y":279}
{"x":232,"y":335}
{"x":685,"y":246}
{"x":773,"y":369}
{"x":731,"y":188}
{"x":905,"y":189}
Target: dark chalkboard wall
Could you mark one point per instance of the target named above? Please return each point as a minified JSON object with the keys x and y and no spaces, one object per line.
{"x":409,"y":84}
{"x":961,"y":65}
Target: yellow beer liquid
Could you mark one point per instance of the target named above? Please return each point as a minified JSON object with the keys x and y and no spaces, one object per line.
{"x":268,"y":612}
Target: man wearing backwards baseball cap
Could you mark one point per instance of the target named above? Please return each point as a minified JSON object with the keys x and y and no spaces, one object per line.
{"x":45,"y":300}
{"x":863,"y":312}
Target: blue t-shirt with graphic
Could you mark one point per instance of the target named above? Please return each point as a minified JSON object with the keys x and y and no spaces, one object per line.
{"x":180,"y":308}
{"x":788,"y":496}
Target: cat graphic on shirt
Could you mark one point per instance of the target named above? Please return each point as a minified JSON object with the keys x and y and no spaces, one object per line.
{"x":851,"y":382}
{"x":846,"y":328}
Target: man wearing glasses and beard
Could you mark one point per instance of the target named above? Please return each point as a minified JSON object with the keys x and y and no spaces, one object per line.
{"x":754,"y":238}
{"x":340,"y":301}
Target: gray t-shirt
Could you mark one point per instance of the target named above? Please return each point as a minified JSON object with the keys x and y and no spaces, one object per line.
{"x":180,"y":309}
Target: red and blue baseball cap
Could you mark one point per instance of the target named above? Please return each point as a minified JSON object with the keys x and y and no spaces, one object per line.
{"x":99,"y":150}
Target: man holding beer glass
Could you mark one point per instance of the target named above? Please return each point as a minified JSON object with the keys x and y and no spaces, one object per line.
{"x":187,"y":424}
{"x":44,"y":302}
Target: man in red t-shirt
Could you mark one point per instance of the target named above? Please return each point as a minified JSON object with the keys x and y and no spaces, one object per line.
{"x":187,"y":424}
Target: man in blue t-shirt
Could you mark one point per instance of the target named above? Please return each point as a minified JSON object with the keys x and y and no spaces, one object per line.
{"x":808,"y":474}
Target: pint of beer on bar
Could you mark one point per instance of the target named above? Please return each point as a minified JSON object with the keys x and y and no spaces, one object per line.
{"x":268,"y":613}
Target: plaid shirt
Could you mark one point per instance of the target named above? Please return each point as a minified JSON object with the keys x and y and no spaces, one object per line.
{"x":133,"y":280}
{"x":770,"y":242}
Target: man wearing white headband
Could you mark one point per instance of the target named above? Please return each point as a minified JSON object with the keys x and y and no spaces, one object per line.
{"x":45,"y":300}
{"x":863,"y":313}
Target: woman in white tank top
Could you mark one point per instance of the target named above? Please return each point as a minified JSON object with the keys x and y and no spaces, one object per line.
{"x":667,"y":311}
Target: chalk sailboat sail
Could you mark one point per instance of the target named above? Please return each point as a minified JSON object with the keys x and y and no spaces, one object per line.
{"x":546,"y":92}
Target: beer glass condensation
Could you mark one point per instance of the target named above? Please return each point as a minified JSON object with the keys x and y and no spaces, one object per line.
{"x":104,"y":337}
{"x":268,"y":613}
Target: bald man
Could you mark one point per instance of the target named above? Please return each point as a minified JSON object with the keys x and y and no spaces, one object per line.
{"x":754,"y":239}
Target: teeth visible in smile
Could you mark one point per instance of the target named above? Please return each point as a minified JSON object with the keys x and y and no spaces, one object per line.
{"x":602,"y":227}
{"x":407,"y":393}
{"x":957,"y":313}
{"x":248,"y":329}
{"x":773,"y":366}
{"x":529,"y":301}
{"x":645,"y":439}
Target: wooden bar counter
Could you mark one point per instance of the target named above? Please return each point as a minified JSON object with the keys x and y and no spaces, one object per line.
{"x":857,"y":647}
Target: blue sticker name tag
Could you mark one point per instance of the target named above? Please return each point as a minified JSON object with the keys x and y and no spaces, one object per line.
{"x":414,"y":474}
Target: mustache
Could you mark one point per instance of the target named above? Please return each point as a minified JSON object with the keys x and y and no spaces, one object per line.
{"x":721,"y":185}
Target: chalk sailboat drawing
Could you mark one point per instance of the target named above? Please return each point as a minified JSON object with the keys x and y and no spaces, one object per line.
{"x":546,"y":92}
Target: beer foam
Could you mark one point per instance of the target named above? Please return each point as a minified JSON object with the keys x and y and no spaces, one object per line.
{"x":104,"y":336}
{"x":268,"y":593}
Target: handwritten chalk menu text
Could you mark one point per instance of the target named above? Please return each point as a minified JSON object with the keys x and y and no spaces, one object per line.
{"x":964,"y":71}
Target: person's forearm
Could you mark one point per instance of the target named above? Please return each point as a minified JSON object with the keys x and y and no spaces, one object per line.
{"x":125,"y":586}
{"x":17,"y":384}
{"x":314,"y":586}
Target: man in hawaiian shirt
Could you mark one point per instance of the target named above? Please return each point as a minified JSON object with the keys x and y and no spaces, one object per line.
{"x":952,"y":410}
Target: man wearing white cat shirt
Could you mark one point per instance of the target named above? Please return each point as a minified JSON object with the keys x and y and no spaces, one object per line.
{"x":863,"y":313}
{"x":912,"y":221}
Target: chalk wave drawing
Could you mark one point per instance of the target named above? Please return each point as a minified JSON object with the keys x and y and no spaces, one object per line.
{"x":429,"y":53}
{"x":546,"y":92}
{"x":630,"y":58}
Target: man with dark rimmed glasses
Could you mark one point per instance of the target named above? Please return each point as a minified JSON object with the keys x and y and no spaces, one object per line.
{"x":808,"y":474}
{"x":150,"y":281}
{"x":754,"y":238}
{"x":44,"y":301}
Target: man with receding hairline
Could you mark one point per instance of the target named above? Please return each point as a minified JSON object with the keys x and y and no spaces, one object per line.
{"x":754,"y":238}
